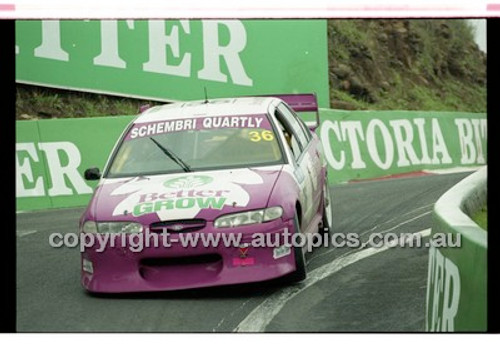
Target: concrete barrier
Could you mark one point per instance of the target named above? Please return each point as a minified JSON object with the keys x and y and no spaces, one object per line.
{"x":51,"y":155}
{"x":367,"y":144}
{"x":457,"y":276}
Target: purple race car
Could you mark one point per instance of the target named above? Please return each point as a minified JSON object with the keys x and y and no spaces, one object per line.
{"x":192,"y":191}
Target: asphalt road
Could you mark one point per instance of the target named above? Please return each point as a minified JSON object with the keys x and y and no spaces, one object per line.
{"x":347,"y":289}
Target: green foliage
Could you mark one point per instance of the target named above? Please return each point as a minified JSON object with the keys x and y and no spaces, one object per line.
{"x":407,"y":64}
{"x":481,"y":218}
{"x":343,"y":96}
{"x":39,"y":102}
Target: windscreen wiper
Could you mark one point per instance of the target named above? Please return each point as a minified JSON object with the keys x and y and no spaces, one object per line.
{"x":172,"y":156}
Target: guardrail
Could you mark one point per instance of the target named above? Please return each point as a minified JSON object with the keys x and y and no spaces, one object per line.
{"x":457,"y":277}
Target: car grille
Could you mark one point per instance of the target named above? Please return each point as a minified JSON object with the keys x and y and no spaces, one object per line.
{"x":178,"y":226}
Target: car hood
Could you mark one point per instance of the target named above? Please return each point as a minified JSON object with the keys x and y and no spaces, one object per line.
{"x":203,"y":195}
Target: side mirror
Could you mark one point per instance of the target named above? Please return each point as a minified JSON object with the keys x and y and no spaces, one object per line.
{"x":92,"y":174}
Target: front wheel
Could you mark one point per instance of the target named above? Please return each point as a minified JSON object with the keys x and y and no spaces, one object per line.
{"x":300,"y":272}
{"x":326,"y":221}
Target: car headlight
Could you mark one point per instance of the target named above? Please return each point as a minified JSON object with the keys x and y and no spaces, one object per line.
{"x":111,"y":227}
{"x":248,"y":217}
{"x":89,"y":227}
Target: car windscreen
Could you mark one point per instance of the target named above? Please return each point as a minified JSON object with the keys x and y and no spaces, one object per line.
{"x":193,"y":144}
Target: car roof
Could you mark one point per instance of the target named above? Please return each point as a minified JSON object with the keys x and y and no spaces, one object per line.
{"x":214,"y":107}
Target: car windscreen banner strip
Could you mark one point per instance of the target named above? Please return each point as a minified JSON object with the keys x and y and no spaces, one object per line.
{"x":148,"y":129}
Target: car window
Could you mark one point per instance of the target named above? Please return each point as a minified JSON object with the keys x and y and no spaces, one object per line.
{"x":202,"y":148}
{"x":293,"y":121}
{"x":292,"y":141}
{"x":305,"y":129}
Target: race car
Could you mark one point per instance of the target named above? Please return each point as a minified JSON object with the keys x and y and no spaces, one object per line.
{"x":236,"y":168}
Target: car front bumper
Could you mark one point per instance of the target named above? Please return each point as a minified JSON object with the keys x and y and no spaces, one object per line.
{"x":118,"y":269}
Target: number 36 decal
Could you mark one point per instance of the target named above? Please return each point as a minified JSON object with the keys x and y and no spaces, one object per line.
{"x":256,"y":136}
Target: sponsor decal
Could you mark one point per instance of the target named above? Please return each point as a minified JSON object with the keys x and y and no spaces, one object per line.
{"x":187,"y":182}
{"x":281,"y":251}
{"x":243,"y":250}
{"x":149,"y":129}
{"x":155,"y":128}
{"x":87,"y":266}
{"x":266,"y":136}
{"x":184,"y":196}
{"x":179,"y":204}
{"x":241,"y":262}
{"x":233,"y":122}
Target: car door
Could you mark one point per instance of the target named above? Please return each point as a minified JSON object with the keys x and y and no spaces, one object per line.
{"x":307,"y":162}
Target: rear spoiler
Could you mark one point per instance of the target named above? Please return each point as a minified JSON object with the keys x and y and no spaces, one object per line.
{"x":302,"y":102}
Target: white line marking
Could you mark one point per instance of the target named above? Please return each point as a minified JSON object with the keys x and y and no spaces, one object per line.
{"x":265,"y":312}
{"x":453,"y":170}
{"x":21,"y":233}
{"x":408,"y":213}
{"x":370,"y":230}
{"x":403,"y":223}
{"x":242,"y":305}
{"x":309,"y":260}
{"x":424,"y":233}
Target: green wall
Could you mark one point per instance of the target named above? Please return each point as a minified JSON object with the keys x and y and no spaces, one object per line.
{"x":51,"y":155}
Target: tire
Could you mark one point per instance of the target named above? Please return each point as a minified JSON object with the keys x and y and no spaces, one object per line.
{"x":326,"y":221}
{"x":300,"y":272}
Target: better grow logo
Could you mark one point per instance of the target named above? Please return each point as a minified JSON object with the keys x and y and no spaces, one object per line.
{"x":187,"y":182}
{"x":185,"y":203}
{"x":184,"y":196}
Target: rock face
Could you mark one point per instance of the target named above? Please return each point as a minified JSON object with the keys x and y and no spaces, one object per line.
{"x":405,"y":64}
